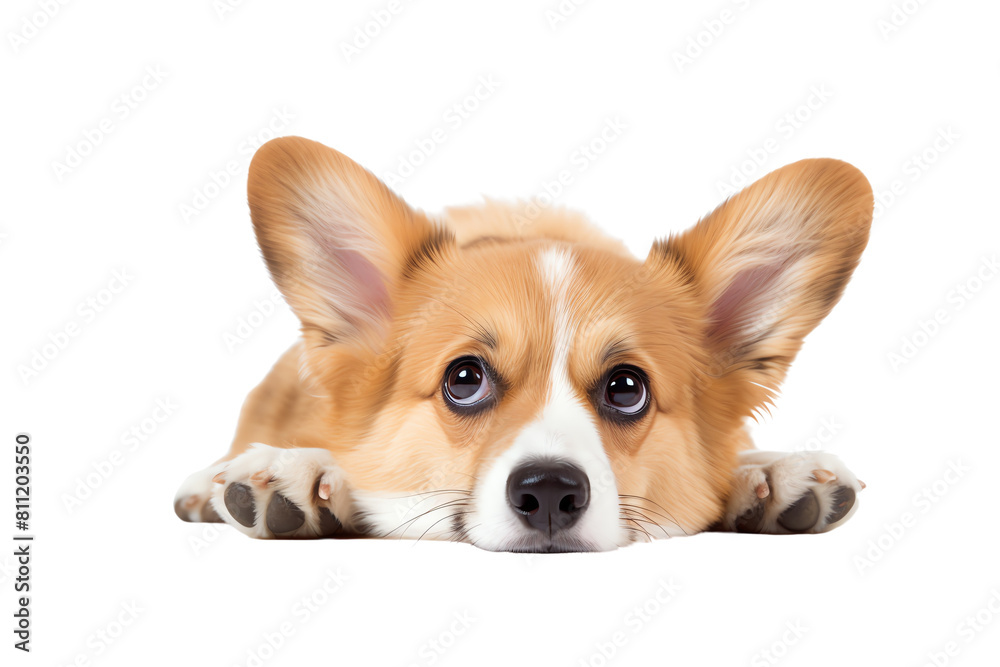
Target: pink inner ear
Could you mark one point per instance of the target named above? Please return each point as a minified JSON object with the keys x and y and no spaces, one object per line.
{"x":748,"y":297}
{"x":347,"y":279}
{"x":365,"y":281}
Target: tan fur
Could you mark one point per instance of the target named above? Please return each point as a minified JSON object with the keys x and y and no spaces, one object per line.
{"x":365,"y":383}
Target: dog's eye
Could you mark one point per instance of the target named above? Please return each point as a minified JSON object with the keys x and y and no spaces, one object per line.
{"x":626,"y":391}
{"x":466,"y":383}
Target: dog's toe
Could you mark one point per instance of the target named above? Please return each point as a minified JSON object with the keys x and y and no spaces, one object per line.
{"x":182,"y":509}
{"x":241,"y":505}
{"x":841,"y":503}
{"x":209,"y":515}
{"x":810,"y":492}
{"x":268,"y":492}
{"x":328,"y":524}
{"x":193,"y":499}
{"x":752,"y":519}
{"x":802,"y":515}
{"x":283,"y":516}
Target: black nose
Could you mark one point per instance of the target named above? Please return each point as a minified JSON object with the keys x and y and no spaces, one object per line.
{"x":548,"y":495}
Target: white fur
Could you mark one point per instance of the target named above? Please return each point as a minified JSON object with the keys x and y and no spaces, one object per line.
{"x":295,"y":473}
{"x":196,"y":490}
{"x":788,"y":476}
{"x":564,"y":430}
{"x":416,"y":515}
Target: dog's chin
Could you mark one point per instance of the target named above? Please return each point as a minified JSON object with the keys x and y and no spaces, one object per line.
{"x":509,"y":535}
{"x":542,"y":544}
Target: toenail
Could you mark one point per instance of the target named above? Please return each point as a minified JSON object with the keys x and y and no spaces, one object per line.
{"x":824,"y":476}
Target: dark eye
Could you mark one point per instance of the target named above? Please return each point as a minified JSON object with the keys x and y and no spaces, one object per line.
{"x":466,"y":383}
{"x":626,"y":391}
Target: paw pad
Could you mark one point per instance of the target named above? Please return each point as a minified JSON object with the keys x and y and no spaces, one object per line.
{"x":328,"y":523}
{"x":209,"y":515}
{"x":843,"y":500}
{"x":751,"y":520}
{"x":802,"y":515}
{"x":283,"y":516}
{"x":282,"y":493}
{"x":240,"y":503}
{"x":196,"y":508}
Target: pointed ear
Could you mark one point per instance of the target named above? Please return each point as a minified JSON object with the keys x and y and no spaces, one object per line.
{"x":772,"y":261}
{"x":336,"y":240}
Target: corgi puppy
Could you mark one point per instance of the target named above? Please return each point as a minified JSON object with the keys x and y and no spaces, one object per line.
{"x":512,"y":378}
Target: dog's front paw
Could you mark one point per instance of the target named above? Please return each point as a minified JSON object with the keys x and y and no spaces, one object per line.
{"x":807,"y":492}
{"x":193,"y":499}
{"x":268,"y":492}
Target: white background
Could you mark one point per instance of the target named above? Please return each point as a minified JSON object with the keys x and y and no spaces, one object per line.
{"x":875,"y":592}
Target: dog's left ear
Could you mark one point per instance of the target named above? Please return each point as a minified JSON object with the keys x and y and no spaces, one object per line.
{"x":772,"y":261}
{"x":336,"y":240}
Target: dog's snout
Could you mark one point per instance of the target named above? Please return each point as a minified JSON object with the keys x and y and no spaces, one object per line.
{"x":548,"y":495}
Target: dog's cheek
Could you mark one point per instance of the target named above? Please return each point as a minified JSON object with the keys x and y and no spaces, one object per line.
{"x":409,"y":450}
{"x":668,"y":478}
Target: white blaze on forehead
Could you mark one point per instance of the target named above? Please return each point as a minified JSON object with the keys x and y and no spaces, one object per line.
{"x":557,"y":267}
{"x":564,"y":430}
{"x":558,"y":272}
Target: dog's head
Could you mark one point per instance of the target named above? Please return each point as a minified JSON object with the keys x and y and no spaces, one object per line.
{"x":526,"y":385}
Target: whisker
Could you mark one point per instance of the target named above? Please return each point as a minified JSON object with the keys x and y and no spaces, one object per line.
{"x":636,"y":511}
{"x":435,"y":491}
{"x":450,"y":516}
{"x":632,"y":517}
{"x":432,"y":494}
{"x":646,"y":509}
{"x":633,"y":533}
{"x":669,"y":515}
{"x":647,"y":520}
{"x":449,"y":503}
{"x":648,"y":536}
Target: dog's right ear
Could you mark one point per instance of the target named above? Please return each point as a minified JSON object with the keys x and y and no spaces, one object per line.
{"x":336,"y":239}
{"x":770,"y":263}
